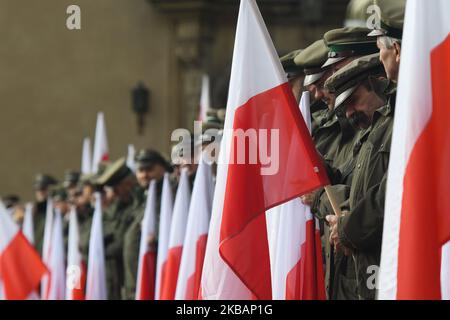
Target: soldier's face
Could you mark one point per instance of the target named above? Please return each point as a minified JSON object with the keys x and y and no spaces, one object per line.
{"x":390,"y":57}
{"x":319,"y":92}
{"x":62,"y":206}
{"x":145,"y":174}
{"x":41,"y":195}
{"x":124,"y":188}
{"x":361,"y":106}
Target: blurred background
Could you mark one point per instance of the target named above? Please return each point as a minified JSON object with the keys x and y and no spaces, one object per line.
{"x":53,"y":80}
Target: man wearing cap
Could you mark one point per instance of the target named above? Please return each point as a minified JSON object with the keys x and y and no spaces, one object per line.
{"x":311,"y":59}
{"x":389,"y":33}
{"x":70,"y":181}
{"x":117,"y":218}
{"x":82,"y":200}
{"x":150,"y":165}
{"x":359,"y":91}
{"x":326,"y":130}
{"x":61,"y":205}
{"x":294,"y":73}
{"x":212,"y":132}
{"x":42,"y":187}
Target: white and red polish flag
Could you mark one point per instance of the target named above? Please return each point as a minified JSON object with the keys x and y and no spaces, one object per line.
{"x":298,"y":269}
{"x":176,"y":238}
{"x":56,"y":265}
{"x":101,"y":151}
{"x":46,"y":247}
{"x":417,"y":208}
{"x":130,"y":157}
{"x":205,"y":98}
{"x":165,"y":220}
{"x":96,"y":276}
{"x":76,"y":267}
{"x":86,"y":159}
{"x":145,"y":286}
{"x":197,"y":227}
{"x":27,"y":226}
{"x":237,"y":264}
{"x":28,"y":232}
{"x":21,"y":268}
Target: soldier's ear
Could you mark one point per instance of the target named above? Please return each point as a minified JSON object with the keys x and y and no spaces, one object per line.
{"x":397,"y":48}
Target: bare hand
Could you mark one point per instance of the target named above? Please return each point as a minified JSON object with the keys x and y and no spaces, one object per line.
{"x":307,"y":199}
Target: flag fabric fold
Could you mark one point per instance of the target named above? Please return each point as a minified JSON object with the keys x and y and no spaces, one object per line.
{"x":130,"y":158}
{"x":101,"y":151}
{"x":205,"y":98}
{"x":76,"y":267}
{"x":176,"y":238}
{"x":46,"y":246}
{"x":27,"y":226}
{"x":96,"y":276}
{"x":21,"y":268}
{"x":165,"y":221}
{"x":298,"y":269}
{"x":57,"y":282}
{"x":86,"y":159}
{"x":414,"y":256}
{"x":145,"y":287}
{"x":261,"y":104}
{"x":191,"y":264}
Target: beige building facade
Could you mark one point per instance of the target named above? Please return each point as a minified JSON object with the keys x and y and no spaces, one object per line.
{"x":53,"y":80}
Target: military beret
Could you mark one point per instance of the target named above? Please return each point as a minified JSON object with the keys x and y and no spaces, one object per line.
{"x":10,"y":200}
{"x":312,"y":59}
{"x":71,"y":178}
{"x":290,"y":67}
{"x":43,"y":181}
{"x":114,"y":173}
{"x":59,"y":194}
{"x":348,"y":42}
{"x":146,"y":158}
{"x":345,"y":81}
{"x":391,"y":20}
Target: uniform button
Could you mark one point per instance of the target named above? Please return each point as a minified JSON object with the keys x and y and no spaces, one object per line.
{"x":359,"y":166}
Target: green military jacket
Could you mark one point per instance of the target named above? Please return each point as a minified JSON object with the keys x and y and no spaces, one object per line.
{"x":339,"y":274}
{"x":361,"y":229}
{"x":85,"y":216}
{"x":116,"y":219}
{"x":39,"y":214}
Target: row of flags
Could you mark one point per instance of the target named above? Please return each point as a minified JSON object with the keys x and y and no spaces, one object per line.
{"x":261,"y":242}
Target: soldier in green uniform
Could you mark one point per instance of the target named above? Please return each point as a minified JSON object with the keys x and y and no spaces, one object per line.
{"x":359,"y":90}
{"x":82,"y":195}
{"x":70,"y":183}
{"x":150,"y":165}
{"x":389,"y":35}
{"x":42,"y":187}
{"x":335,"y":139}
{"x":366,"y":200}
{"x":61,"y":205}
{"x":117,"y":217}
{"x":294,"y":73}
{"x":312,"y":59}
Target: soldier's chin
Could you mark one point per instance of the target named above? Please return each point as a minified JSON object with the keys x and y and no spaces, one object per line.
{"x":359,"y":120}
